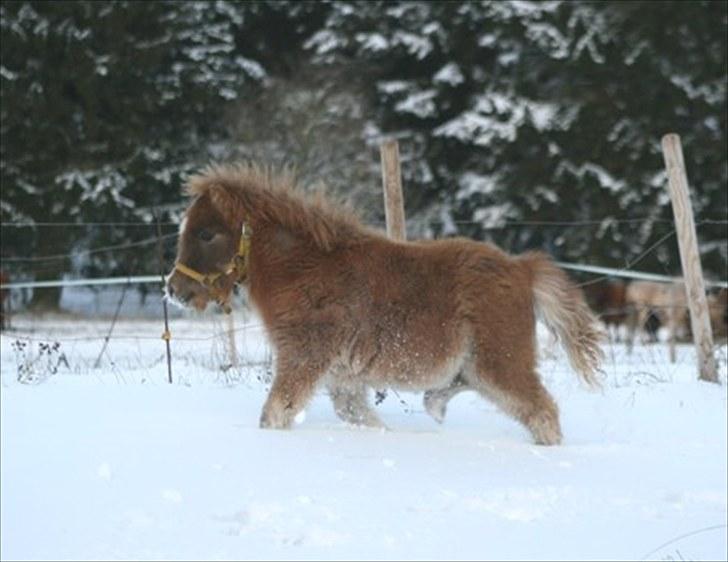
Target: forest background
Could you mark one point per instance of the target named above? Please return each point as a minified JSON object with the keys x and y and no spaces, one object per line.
{"x":528,"y":124}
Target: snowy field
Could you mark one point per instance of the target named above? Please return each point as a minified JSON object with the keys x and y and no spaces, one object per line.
{"x":107,"y":460}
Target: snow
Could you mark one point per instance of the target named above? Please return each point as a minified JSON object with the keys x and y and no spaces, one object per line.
{"x":549,"y":38}
{"x":7,"y":73}
{"x":596,"y":30}
{"x":324,"y":41}
{"x":493,"y":216}
{"x":449,"y":74}
{"x":113,"y":462}
{"x":542,"y":114}
{"x":372,"y":41}
{"x":497,"y":117}
{"x":508,"y":59}
{"x":533,"y":9}
{"x":471,"y":183}
{"x":253,"y":68}
{"x":487,"y":40}
{"x":420,"y":104}
{"x":415,"y":45}
{"x":605,"y":179}
{"x":465,"y":127}
{"x":393,"y":86}
{"x":710,"y":93}
{"x":449,"y":228}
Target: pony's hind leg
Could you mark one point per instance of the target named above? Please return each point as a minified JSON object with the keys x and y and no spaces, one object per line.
{"x":351,"y":404}
{"x":522,"y":396}
{"x":436,"y":400}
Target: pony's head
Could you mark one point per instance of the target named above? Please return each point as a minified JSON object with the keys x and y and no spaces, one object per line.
{"x":215,"y":234}
{"x":211,"y":253}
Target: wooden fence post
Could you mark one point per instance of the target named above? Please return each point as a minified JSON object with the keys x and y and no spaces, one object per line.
{"x":689,"y":256}
{"x":166,"y":335}
{"x":393,"y":200}
{"x":673,"y":315}
{"x":393,"y":211}
{"x":232,"y":349}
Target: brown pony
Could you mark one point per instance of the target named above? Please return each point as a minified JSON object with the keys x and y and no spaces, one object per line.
{"x":347,"y":308}
{"x":607,"y":298}
{"x":665,"y":301}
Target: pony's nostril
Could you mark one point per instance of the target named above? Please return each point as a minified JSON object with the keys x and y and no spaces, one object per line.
{"x":188,"y":297}
{"x":170,"y":290}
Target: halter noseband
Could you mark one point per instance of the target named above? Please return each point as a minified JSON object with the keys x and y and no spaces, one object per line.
{"x":238,"y":265}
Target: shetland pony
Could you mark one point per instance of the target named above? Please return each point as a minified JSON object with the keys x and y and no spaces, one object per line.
{"x":718,"y":310}
{"x":667,"y":302}
{"x":607,"y":298}
{"x":348,"y":309}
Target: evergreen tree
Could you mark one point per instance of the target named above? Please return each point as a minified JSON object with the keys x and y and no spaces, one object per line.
{"x":525,"y":112}
{"x":104,"y":106}
{"x":547,"y":112}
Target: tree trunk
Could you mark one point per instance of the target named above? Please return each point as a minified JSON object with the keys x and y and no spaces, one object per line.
{"x":46,"y":299}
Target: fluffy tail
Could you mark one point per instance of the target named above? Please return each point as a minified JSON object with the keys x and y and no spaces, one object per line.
{"x":560,"y":304}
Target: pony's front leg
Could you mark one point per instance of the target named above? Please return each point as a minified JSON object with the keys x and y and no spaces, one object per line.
{"x":293,"y":386}
{"x":351,"y":404}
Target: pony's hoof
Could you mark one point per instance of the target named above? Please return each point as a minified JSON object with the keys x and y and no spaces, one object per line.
{"x":435,"y":407}
{"x":545,"y":429}
{"x":270,"y":419}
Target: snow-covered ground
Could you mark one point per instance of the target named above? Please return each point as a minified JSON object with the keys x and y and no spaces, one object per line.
{"x":111,"y":462}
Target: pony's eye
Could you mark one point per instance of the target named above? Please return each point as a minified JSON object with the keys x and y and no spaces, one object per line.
{"x":205,"y":235}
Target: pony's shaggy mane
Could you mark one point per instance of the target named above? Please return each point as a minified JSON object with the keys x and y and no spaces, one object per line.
{"x":262,"y":194}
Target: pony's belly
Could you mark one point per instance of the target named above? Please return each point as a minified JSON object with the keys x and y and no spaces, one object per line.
{"x":414,"y":359}
{"x":416,"y":372}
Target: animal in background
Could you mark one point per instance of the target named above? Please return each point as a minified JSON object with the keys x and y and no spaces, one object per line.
{"x":665,"y":302}
{"x":608,"y":298}
{"x":718,"y":311}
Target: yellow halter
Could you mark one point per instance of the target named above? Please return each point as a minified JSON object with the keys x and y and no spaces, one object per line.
{"x":237,"y":265}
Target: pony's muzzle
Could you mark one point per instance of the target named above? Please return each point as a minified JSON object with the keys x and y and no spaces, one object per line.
{"x":188,"y":292}
{"x":182,"y":291}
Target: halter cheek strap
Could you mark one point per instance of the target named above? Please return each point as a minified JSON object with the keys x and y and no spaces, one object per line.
{"x":238,"y":265}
